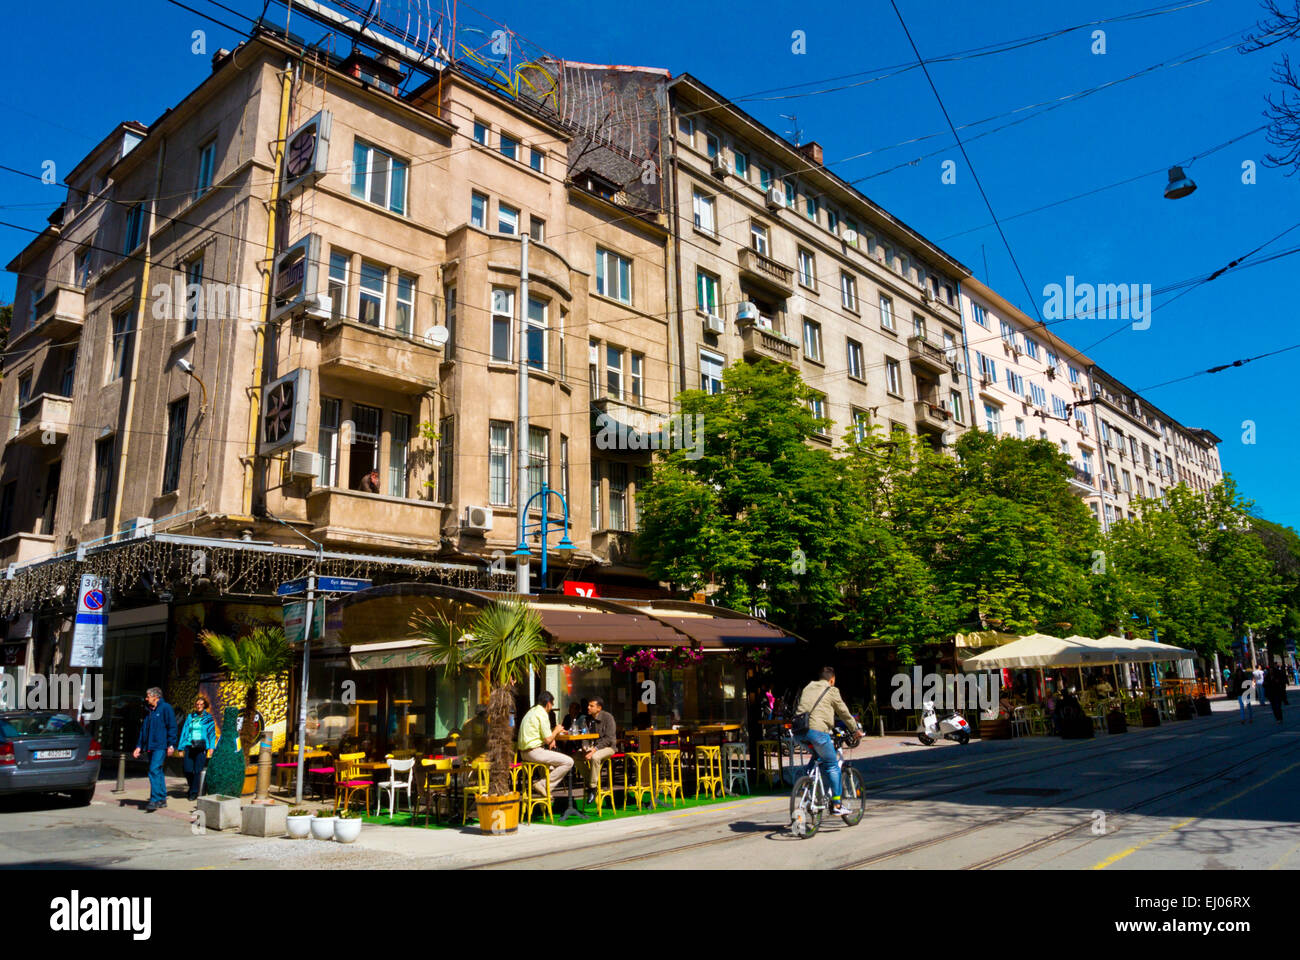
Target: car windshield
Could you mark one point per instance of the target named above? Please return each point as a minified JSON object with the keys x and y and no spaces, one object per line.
{"x":17,"y":726}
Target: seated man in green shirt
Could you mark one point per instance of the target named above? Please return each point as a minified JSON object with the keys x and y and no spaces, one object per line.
{"x":536,"y":740}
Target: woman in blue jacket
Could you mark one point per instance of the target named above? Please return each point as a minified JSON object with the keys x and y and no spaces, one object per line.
{"x":198,"y":739}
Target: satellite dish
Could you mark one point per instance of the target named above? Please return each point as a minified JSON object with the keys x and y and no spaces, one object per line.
{"x":438,"y":335}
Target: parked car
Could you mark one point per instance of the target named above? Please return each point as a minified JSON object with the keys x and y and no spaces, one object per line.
{"x":47,"y":751}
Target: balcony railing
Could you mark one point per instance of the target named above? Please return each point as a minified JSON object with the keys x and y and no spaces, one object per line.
{"x":375,"y":357}
{"x":372,"y":520}
{"x":759,"y":343}
{"x":926,"y":354}
{"x":59,"y":314}
{"x":775,"y":275}
{"x":43,"y":421}
{"x":931,"y":414}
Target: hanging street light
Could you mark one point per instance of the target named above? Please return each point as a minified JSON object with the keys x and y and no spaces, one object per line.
{"x":1180,"y":185}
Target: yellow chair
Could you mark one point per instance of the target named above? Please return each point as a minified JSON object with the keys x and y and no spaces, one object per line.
{"x":668,"y":774}
{"x":436,"y":769}
{"x":604,"y":792}
{"x":643,"y":765}
{"x":708,"y":771}
{"x":767,"y":751}
{"x":479,"y":786}
{"x":533,"y":772}
{"x":348,"y":782}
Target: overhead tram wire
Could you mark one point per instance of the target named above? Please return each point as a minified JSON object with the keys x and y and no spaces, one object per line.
{"x":1221,"y":367}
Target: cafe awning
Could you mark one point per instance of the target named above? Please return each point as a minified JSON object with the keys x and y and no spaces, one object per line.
{"x":1038,"y":650}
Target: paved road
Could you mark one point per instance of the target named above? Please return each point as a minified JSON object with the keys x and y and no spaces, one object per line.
{"x":1205,"y":794}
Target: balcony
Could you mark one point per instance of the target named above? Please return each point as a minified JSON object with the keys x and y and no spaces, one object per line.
{"x":616,"y":546}
{"x":21,"y":547}
{"x":353,"y":518}
{"x":922,"y":353}
{"x":43,"y":421}
{"x":378,"y":358}
{"x":765,"y":271}
{"x":616,"y":425}
{"x":59,"y":314}
{"x":759,"y":343}
{"x":931,"y":415}
{"x":1082,"y":482}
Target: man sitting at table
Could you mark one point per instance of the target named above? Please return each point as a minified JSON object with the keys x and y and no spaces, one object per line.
{"x":537,"y":740}
{"x":601,"y":749}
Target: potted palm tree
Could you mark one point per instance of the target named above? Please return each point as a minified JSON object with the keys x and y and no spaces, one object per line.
{"x":505,"y":641}
{"x":259,"y":655}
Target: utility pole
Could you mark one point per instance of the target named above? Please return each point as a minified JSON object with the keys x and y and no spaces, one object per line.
{"x":302,"y":694}
{"x":521,"y":425}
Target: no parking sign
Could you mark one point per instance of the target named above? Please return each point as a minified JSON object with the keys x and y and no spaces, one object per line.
{"x":92,"y":619}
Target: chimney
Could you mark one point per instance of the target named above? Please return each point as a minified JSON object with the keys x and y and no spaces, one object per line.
{"x":813,"y":151}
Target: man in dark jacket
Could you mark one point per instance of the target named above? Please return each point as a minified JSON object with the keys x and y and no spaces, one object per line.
{"x":1275,"y":689}
{"x":602,"y":748}
{"x":158,"y":739}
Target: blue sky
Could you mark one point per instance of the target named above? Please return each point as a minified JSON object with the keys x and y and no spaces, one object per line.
{"x":134,"y":65}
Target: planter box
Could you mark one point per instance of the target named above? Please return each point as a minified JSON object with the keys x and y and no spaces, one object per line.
{"x":220,"y":813}
{"x":264,"y":820}
{"x":1202,"y":707}
{"x":498,"y":815}
{"x":1150,"y":717}
{"x":999,"y":729}
{"x":1116,"y":722}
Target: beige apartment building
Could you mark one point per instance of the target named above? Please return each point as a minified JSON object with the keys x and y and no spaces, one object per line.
{"x":778,"y":258}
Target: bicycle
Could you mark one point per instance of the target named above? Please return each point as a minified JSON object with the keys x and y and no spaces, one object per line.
{"x":809,"y":800}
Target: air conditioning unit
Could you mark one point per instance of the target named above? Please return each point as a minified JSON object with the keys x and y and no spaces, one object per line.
{"x":719,"y":165}
{"x":319,"y":306}
{"x":302,"y":464}
{"x":926,"y":295}
{"x":477,"y":519}
{"x":985,"y":380}
{"x":714,"y":324}
{"x":775,"y":198}
{"x":138,"y":527}
{"x":1029,"y":399}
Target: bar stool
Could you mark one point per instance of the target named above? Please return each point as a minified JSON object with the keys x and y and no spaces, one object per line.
{"x":532,"y":772}
{"x":769,"y":750}
{"x":668,"y":774}
{"x":708,"y":770}
{"x":643,"y":764}
{"x":604,"y":792}
{"x":735,"y":761}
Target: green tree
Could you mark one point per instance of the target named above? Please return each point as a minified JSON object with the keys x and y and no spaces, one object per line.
{"x":1282,"y":545}
{"x":6,"y":320}
{"x":261,"y":654}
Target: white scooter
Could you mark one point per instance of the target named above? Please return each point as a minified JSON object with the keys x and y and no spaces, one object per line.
{"x":932,"y":728}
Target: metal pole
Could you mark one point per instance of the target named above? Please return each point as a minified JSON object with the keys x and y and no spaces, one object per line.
{"x":521,"y":428}
{"x":302,"y":696}
{"x":546,"y":500}
{"x":121,"y":760}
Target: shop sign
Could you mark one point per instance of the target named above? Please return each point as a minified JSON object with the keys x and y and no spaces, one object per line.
{"x":581,"y":588}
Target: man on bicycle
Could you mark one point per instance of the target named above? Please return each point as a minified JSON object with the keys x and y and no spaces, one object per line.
{"x":823,"y":703}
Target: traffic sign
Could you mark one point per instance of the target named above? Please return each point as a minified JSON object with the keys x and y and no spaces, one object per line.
{"x":89,"y":624}
{"x":341,"y":584}
{"x":290,"y":587}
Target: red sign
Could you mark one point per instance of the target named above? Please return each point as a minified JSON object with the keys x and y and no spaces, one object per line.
{"x":579,"y":588}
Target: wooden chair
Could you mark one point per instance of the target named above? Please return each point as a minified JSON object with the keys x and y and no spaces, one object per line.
{"x":348,"y":782}
{"x":437,"y":785}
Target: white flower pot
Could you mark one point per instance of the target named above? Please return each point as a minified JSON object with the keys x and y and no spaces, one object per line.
{"x":298,"y":827}
{"x":322,"y":828}
{"x":346,"y":831}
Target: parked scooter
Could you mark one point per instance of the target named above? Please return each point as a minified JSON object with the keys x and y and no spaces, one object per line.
{"x":932,"y":728}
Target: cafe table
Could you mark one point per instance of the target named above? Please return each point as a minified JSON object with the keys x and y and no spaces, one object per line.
{"x":646,"y":738}
{"x":571,"y":811}
{"x":292,"y":757}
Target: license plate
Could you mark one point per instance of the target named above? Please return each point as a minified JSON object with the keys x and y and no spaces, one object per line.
{"x":52,"y":754}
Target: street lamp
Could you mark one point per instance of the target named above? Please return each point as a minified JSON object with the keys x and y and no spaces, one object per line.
{"x":1180,"y":185}
{"x":544,"y":527}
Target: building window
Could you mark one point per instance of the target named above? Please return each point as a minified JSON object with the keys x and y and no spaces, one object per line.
{"x":593,"y":368}
{"x":851,"y":232}
{"x":849,"y":291}
{"x":338,"y":283}
{"x":1038,"y":394}
{"x":404,"y":304}
{"x":1015,"y":382}
{"x":807,"y":269}
{"x":613,"y":372}
{"x":893,"y":377}
{"x":480,"y":132}
{"x":499,"y":463}
{"x":1074,"y":375}
{"x":1082,"y":417}
{"x":564,"y":467}
{"x":861,"y":425}
{"x":703,"y":206}
{"x":918,"y":326}
{"x":103,"y":489}
{"x":536,"y":229}
{"x":7,"y":508}
{"x":992,"y":419}
{"x":685,"y":128}
{"x":711,"y":372}
{"x":791,"y":193}
{"x":67,"y":380}
{"x":1008,"y":333}
{"x":1020,"y":428}
{"x":1058,"y":407}
{"x":955,"y":406}
{"x":478,"y":210}
{"x":177,"y":416}
{"x":706,"y":292}
{"x":855,"y":359}
{"x":1031,"y":348}
{"x":446,"y":459}
{"x":886,"y":312}
{"x":758,"y":238}
{"x":712,"y":145}
{"x":134,"y":228}
{"x":373,"y":280}
{"x":812,"y":340}
{"x":399,"y":443}
{"x":193,"y":296}
{"x":81,"y":268}
{"x":613,"y":275}
{"x":595,"y":496}
{"x":378,"y":177}
{"x":741,"y":163}
{"x":1128,"y":481}
{"x":977,"y":312}
{"x":123,"y":339}
{"x":537,"y":159}
{"x":207,"y":165}
{"x":764,"y":177}
{"x":364,"y":450}
{"x":509,"y":147}
{"x":811,"y":207}
{"x":817,"y":404}
{"x":539,"y":457}
{"x":832,"y":221}
{"x":636,"y":377}
{"x":507,"y":219}
{"x":503,"y":312}
{"x":988,"y":367}
{"x":617,"y":495}
{"x":327,"y":442}
{"x":537,"y":332}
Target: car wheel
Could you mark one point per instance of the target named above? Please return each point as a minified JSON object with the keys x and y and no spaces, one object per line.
{"x":82,"y":798}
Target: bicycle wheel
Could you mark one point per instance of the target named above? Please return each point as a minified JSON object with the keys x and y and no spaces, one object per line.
{"x":854,"y":795}
{"x":805,"y":818}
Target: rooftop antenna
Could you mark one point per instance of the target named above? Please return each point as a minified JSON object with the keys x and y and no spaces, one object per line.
{"x":797,"y":133}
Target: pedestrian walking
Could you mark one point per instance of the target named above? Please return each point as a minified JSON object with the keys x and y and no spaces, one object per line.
{"x":157,"y":739}
{"x":1258,"y":676}
{"x":1239,"y":686}
{"x":1275,"y":688}
{"x":198,"y":739}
